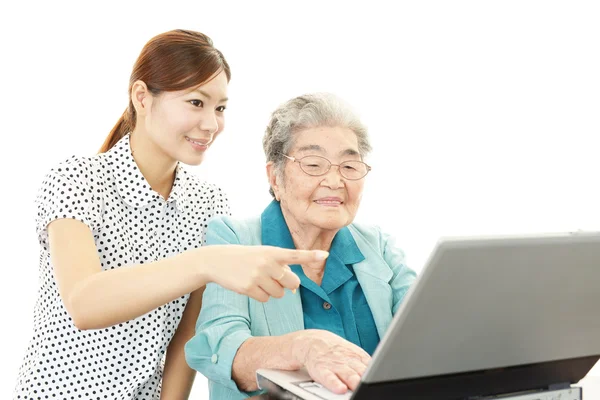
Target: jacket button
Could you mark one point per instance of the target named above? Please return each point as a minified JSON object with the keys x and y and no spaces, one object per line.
{"x":326,"y":305}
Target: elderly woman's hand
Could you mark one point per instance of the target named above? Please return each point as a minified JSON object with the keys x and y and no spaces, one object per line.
{"x":330,"y":360}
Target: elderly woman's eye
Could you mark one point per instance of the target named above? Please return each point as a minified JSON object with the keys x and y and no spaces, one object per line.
{"x":196,"y":103}
{"x":349,"y":167}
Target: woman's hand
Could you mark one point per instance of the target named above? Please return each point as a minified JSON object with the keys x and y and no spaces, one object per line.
{"x":330,"y":360}
{"x":259,"y":272}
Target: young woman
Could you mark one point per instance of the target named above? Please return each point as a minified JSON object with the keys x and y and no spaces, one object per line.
{"x":121,"y":234}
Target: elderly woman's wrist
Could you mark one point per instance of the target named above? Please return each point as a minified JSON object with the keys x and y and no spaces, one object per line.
{"x":301,"y":343}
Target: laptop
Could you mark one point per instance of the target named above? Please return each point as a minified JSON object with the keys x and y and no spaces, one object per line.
{"x":487,"y":316}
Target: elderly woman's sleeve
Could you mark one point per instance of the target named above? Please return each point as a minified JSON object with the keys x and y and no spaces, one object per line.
{"x":223,"y":324}
{"x":403,"y":276}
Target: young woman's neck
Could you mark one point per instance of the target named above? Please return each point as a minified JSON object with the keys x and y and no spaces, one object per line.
{"x":157,"y":167}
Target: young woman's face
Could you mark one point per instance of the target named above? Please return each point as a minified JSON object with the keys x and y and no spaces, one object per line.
{"x":185,"y":123}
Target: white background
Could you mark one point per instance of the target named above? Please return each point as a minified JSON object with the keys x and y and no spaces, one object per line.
{"x":484,"y":116}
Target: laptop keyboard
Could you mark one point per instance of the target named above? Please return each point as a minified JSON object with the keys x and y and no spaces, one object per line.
{"x":318,"y":390}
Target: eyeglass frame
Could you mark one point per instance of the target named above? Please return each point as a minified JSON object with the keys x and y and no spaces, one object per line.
{"x":298,"y":160}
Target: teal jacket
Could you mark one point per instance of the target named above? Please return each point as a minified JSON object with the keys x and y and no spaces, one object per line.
{"x":227,"y":319}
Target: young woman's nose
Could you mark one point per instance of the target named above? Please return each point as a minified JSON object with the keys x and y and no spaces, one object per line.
{"x":208,"y":122}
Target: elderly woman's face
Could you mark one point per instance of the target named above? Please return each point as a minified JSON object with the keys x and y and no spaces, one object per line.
{"x":328,"y":201}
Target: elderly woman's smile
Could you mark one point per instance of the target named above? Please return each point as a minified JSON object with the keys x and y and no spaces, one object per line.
{"x":329,"y":201}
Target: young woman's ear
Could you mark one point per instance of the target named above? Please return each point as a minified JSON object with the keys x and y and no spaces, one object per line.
{"x":141,"y":97}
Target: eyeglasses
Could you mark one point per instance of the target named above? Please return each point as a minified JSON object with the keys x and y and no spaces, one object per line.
{"x":317,"y":166}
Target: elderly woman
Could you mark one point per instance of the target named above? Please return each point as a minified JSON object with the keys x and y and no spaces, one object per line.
{"x":315,"y":147}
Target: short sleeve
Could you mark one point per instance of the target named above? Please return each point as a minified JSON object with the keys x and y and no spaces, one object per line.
{"x":220,"y":202}
{"x":218,"y":206}
{"x":70,"y":190}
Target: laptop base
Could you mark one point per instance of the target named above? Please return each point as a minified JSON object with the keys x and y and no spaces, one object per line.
{"x":532,"y":377}
{"x":540,"y":379}
{"x":570,"y":393}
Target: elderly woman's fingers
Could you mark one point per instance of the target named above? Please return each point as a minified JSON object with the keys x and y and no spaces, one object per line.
{"x":329,"y":352}
{"x":348,"y":376}
{"x":365,"y":358}
{"x":330,"y":380}
{"x":360,"y":354}
{"x":357,"y":366}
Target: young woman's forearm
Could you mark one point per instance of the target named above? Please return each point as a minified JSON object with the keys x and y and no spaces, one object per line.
{"x":110,"y":297}
{"x":95,"y":298}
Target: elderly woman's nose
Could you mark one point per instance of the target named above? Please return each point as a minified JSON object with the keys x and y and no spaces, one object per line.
{"x":333,"y":178}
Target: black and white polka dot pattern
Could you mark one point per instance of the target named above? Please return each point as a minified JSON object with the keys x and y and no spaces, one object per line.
{"x":131,"y":224}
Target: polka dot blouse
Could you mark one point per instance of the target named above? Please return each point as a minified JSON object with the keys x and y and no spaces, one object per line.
{"x":131,"y":224}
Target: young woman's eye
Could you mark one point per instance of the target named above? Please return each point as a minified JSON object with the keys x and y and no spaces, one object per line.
{"x":221,"y":108}
{"x":196,"y":103}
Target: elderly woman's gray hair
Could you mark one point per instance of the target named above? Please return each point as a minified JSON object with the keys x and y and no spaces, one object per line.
{"x":306,"y":112}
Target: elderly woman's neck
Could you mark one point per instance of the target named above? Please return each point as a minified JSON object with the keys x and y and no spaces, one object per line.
{"x":308,"y":237}
{"x":312,"y":238}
